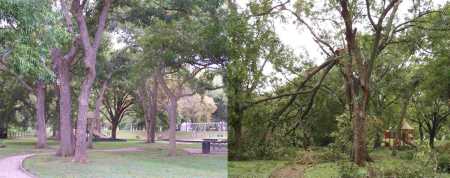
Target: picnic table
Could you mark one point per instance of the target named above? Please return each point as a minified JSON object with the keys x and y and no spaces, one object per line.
{"x":214,"y":143}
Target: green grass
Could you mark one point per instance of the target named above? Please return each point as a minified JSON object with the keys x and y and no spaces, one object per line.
{"x":252,"y":169}
{"x":141,"y":135}
{"x":322,"y":170}
{"x":383,"y":161}
{"x":23,"y":146}
{"x":152,"y":162}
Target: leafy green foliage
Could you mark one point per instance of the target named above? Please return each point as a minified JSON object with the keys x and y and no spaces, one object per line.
{"x":31,"y":29}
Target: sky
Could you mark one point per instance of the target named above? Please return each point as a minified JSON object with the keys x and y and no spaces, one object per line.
{"x":302,"y":42}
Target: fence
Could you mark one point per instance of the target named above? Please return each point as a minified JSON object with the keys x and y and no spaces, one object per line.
{"x":21,"y":134}
{"x":199,"y":127}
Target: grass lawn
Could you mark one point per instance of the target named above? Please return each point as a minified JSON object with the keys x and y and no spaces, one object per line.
{"x":23,"y":146}
{"x":252,"y":169}
{"x":152,"y":162}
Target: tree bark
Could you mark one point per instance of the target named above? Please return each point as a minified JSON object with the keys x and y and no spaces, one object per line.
{"x":359,"y":137}
{"x":98,"y":105}
{"x":90,"y":54}
{"x":83,"y":107}
{"x":63,"y":77}
{"x":90,"y":137}
{"x":172,"y":112}
{"x":431,"y":138}
{"x":114,"y":130}
{"x":420,"y":131}
{"x":237,"y":129}
{"x":40,"y":115}
{"x":153,"y":110}
{"x":95,"y":123}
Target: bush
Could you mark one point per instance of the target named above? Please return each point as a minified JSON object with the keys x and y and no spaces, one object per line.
{"x":445,"y":148}
{"x":444,"y":163}
{"x":406,"y":155}
{"x":330,"y":155}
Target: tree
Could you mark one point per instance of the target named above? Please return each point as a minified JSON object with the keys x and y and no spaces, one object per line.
{"x":62,"y":63}
{"x":197,"y":108}
{"x":356,"y":60}
{"x":30,"y":31}
{"x":251,"y":46}
{"x":434,"y":116}
{"x":90,"y":48}
{"x":174,"y":93}
{"x":148,"y":96}
{"x":117,"y":103}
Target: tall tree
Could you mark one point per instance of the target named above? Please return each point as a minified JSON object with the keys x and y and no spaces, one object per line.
{"x":357,"y":60}
{"x":62,"y":64}
{"x":90,"y":48}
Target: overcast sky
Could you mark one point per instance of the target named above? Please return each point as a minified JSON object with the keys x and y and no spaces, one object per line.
{"x":301,"y":41}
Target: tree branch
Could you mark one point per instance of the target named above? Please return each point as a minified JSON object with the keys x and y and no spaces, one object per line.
{"x":101,"y":23}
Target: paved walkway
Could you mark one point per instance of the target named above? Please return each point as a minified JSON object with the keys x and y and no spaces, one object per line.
{"x":11,"y":167}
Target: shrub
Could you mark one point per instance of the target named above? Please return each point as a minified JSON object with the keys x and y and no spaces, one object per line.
{"x":445,"y":148}
{"x":443,"y":163}
{"x":406,"y":155}
{"x":330,"y":155}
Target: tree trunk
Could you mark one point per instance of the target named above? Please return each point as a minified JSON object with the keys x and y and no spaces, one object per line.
{"x":378,"y":141}
{"x":95,"y":123}
{"x":56,"y":130}
{"x":420,"y":132}
{"x":237,"y":129}
{"x":147,"y":124}
{"x":114,"y":130}
{"x":90,"y":136}
{"x":432,"y":134}
{"x":63,"y":77}
{"x":357,"y":97}
{"x":359,"y":136}
{"x":40,"y":115}
{"x":172,"y":112}
{"x":83,"y":107}
{"x":153,"y":110}
{"x":98,"y":105}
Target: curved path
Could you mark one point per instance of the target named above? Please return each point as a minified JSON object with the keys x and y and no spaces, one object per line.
{"x":11,"y":167}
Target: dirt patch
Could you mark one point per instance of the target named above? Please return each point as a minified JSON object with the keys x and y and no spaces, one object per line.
{"x":289,"y":171}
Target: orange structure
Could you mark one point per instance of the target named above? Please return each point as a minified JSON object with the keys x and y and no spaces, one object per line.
{"x":406,"y":136}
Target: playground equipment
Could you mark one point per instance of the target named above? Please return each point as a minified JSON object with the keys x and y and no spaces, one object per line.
{"x":203,"y":127}
{"x":406,"y":136}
